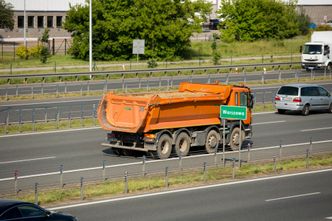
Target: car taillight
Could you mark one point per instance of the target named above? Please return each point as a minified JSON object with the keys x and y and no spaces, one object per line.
{"x":297,"y":99}
{"x":277,"y":98}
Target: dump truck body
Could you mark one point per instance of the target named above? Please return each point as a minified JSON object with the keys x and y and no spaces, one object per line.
{"x":138,"y":122}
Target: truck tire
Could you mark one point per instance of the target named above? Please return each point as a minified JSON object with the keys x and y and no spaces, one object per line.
{"x":182,"y":144}
{"x":234,"y":139}
{"x":212,"y":141}
{"x":164,"y":147}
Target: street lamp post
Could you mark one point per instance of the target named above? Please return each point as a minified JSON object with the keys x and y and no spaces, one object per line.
{"x":90,"y":36}
{"x":24,"y":26}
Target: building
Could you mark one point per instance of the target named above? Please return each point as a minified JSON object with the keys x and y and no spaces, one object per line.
{"x":40,"y":14}
{"x":319,"y":11}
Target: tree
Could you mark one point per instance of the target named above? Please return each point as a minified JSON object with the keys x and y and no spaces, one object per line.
{"x":248,"y":20}
{"x":215,"y":53}
{"x":44,"y":52}
{"x":6,"y":15}
{"x":166,"y":26}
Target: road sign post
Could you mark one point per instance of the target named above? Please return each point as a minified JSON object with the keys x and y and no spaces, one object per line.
{"x":234,"y":113}
{"x":138,"y":47}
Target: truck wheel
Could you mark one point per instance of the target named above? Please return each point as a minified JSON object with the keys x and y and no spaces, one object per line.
{"x":235,"y":135}
{"x":212,"y":141}
{"x":306,"y":110}
{"x":164,"y":147}
{"x":182,"y":144}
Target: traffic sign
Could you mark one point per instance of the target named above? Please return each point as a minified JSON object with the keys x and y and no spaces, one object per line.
{"x":138,"y":46}
{"x":233,"y":112}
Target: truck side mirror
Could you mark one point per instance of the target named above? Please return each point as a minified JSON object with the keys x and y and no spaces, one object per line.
{"x":301,"y":49}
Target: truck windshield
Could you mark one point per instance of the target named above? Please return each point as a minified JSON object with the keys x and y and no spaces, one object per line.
{"x":312,"y":49}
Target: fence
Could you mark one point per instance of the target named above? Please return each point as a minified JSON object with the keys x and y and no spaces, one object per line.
{"x":55,"y":45}
{"x":80,"y":83}
{"x":119,"y":176}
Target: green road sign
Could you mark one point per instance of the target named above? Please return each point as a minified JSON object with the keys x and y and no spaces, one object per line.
{"x":233,"y":112}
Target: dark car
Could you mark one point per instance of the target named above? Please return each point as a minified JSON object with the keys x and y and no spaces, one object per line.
{"x":21,"y":211}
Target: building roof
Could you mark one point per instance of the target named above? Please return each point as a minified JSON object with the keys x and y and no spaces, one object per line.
{"x":314,"y":2}
{"x":43,"y":5}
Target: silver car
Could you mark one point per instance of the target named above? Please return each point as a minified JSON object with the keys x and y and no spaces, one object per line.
{"x":302,"y":97}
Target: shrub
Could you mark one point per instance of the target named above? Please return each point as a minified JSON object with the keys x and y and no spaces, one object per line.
{"x":23,"y":52}
{"x":152,"y":63}
{"x":35,"y":51}
{"x":44,"y":54}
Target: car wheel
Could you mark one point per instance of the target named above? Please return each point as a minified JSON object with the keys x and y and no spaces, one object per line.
{"x":212,"y":141}
{"x":306,"y":110}
{"x":330,"y":108}
{"x":182,"y":144}
{"x":281,"y":111}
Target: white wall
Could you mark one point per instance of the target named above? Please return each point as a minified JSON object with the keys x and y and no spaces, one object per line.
{"x":44,"y":5}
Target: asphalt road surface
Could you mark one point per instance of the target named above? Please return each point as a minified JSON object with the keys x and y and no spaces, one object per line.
{"x":39,"y":156}
{"x":305,"y":197}
{"x":37,"y":111}
{"x":152,"y":82}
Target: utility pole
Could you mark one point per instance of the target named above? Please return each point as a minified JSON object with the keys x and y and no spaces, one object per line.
{"x":90,"y":36}
{"x":24,"y":25}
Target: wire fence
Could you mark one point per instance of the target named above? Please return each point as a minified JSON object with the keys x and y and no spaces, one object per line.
{"x":56,"y":46}
{"x":146,"y":173}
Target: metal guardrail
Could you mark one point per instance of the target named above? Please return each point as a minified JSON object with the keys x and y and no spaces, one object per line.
{"x":107,"y":74}
{"x":15,"y":184}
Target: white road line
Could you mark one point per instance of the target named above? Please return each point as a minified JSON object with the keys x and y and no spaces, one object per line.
{"x":27,"y":160}
{"x":47,"y":102}
{"x":314,"y":129}
{"x":292,"y":197}
{"x":261,"y":113}
{"x":81,"y":129}
{"x":330,"y":218}
{"x":50,"y":132}
{"x":154,"y":161}
{"x":269,"y":122}
{"x":187,"y":190}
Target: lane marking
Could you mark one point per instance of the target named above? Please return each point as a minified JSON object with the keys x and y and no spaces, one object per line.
{"x":292,"y":197}
{"x":27,"y":160}
{"x":81,"y":129}
{"x":49,"y":102}
{"x":50,"y":132}
{"x":188,"y":189}
{"x":314,"y":129}
{"x":156,"y":161}
{"x":269,"y":122}
{"x":329,"y":217}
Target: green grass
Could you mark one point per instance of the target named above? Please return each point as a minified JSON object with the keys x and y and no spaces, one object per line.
{"x":263,"y":49}
{"x":188,"y":178}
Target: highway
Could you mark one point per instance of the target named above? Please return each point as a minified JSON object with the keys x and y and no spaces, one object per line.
{"x":28,"y":111}
{"x":39,"y":156}
{"x":153,"y":82}
{"x":304,"y":197}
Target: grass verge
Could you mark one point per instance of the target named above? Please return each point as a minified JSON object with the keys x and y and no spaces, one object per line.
{"x":176,"y":180}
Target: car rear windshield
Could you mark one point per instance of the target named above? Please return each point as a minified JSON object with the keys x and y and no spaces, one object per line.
{"x":288,"y":90}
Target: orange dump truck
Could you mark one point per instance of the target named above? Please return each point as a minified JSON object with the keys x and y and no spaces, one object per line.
{"x":174,"y":121}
